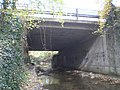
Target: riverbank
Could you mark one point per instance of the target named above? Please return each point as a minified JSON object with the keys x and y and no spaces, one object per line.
{"x":72,"y":80}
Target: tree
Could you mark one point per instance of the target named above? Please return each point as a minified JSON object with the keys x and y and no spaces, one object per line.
{"x":104,"y":15}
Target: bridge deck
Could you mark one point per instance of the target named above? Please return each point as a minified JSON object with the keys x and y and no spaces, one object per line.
{"x":52,"y":36}
{"x":78,"y":27}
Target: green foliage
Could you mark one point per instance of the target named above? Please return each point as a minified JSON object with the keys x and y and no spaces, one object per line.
{"x":38,"y":56}
{"x":9,"y":3}
{"x":11,"y":58}
{"x":12,"y":72}
{"x":111,"y":15}
{"x":104,"y":15}
{"x":55,"y":7}
{"x":117,"y":18}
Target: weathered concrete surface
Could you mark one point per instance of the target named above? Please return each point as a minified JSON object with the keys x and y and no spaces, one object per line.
{"x":104,"y":56}
{"x":98,"y":54}
{"x":78,"y":47}
{"x":54,"y":37}
{"x":73,"y":55}
{"x":113,"y":50}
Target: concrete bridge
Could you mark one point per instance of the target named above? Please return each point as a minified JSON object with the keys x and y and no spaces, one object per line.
{"x":78,"y":47}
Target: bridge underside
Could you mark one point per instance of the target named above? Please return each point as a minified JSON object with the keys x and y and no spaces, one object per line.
{"x":78,"y":47}
{"x":51,"y":36}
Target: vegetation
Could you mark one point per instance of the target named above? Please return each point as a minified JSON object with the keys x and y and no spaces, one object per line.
{"x":12,"y":29}
{"x":109,"y":17}
{"x":11,"y":58}
{"x":38,"y":56}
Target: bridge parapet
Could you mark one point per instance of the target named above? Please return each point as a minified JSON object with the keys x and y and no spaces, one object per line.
{"x":66,"y":13}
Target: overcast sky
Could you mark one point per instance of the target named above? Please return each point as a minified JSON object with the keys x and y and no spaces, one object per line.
{"x":88,"y":4}
{"x":83,"y":4}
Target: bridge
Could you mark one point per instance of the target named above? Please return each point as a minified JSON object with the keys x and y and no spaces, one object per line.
{"x":78,"y":47}
{"x":52,"y":35}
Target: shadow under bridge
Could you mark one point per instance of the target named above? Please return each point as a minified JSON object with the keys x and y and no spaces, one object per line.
{"x":73,"y":40}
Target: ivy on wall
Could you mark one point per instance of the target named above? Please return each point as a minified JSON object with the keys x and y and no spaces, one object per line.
{"x":104,"y":15}
{"x":12,"y":73}
{"x":109,"y":17}
{"x":11,"y":58}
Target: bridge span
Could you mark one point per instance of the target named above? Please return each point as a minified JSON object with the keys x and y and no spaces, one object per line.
{"x":78,"y":47}
{"x":54,"y":37}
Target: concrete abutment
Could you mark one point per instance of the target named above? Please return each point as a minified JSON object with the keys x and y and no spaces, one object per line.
{"x":99,"y":54}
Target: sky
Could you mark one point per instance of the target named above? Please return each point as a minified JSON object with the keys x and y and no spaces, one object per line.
{"x":83,"y":4}
{"x":88,"y":4}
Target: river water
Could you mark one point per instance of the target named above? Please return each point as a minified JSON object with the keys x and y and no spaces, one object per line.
{"x":78,"y":80}
{"x":74,"y":80}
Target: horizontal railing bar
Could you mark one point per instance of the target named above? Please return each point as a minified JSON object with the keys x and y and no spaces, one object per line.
{"x":73,"y":12}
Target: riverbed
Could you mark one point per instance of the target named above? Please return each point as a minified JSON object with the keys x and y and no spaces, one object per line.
{"x":78,"y":80}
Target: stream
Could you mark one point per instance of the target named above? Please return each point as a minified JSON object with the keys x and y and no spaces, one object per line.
{"x":78,"y":80}
{"x":70,"y":79}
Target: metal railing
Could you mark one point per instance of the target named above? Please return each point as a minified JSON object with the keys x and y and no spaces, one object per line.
{"x":67,"y":13}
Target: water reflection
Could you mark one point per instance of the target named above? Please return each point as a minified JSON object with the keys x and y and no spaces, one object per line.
{"x":69,"y":81}
{"x":48,"y":80}
{"x":61,"y":80}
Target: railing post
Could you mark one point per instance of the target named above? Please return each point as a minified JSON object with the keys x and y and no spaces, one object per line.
{"x":77,"y":13}
{"x":53,"y":11}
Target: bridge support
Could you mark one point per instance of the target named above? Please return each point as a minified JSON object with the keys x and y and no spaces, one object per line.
{"x":99,"y":54}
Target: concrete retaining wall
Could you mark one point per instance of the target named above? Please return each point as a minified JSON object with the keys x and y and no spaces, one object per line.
{"x":98,"y":54}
